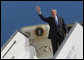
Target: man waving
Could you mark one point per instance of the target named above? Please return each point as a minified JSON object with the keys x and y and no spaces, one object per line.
{"x":58,"y":29}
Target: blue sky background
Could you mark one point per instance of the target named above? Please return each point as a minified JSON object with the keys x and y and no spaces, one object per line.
{"x":17,"y":14}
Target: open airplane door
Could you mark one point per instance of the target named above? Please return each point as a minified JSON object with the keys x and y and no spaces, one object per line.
{"x":72,"y":46}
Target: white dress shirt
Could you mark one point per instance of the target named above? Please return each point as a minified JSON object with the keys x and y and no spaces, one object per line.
{"x":56,"y":20}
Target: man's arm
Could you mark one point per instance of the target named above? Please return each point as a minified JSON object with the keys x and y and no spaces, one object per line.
{"x":44,"y":18}
{"x":40,"y":15}
{"x":64,"y":27}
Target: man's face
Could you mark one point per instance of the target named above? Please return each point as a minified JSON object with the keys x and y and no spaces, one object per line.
{"x":53,"y":13}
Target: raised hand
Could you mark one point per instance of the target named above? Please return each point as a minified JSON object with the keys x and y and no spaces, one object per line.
{"x":38,"y":9}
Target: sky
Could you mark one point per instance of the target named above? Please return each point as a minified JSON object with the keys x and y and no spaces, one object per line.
{"x":17,"y":14}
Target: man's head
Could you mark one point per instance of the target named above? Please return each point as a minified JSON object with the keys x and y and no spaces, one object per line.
{"x":53,"y":13}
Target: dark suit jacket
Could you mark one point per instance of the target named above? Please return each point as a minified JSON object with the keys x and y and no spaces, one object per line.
{"x":55,"y":30}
